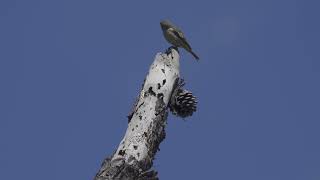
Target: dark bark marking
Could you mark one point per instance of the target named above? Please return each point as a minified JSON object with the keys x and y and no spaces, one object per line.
{"x":140,"y":105}
{"x":150,"y":91}
{"x":122,"y":152}
{"x":164,"y":81}
{"x":160,"y":95}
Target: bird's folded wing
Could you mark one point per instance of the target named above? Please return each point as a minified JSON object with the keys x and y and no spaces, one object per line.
{"x":180,"y":35}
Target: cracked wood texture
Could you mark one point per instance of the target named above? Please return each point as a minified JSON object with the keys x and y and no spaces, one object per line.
{"x":146,"y":128}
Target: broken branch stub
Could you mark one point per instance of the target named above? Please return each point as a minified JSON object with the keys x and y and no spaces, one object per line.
{"x":147,"y":120}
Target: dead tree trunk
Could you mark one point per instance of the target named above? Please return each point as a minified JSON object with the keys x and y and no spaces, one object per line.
{"x":162,"y":90}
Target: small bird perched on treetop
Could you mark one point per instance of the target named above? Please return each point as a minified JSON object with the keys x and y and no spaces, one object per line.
{"x":175,"y":36}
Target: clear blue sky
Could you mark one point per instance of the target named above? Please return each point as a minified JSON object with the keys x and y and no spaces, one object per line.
{"x":70,"y":70}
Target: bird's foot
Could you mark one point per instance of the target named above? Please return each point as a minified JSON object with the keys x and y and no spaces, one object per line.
{"x":169,"y":50}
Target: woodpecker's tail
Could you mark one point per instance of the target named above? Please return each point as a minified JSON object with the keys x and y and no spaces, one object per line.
{"x":194,"y":55}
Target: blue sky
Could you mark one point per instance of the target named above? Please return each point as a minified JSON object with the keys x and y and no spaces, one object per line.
{"x":70,"y":70}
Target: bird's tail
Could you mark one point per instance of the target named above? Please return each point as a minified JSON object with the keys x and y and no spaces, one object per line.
{"x":194,"y":55}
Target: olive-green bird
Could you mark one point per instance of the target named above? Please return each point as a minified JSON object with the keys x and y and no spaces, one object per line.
{"x":175,"y":36}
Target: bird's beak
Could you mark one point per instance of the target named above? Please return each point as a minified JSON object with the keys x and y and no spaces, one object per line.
{"x":162,"y":26}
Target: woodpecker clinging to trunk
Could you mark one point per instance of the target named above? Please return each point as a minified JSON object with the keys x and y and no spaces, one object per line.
{"x":175,"y":36}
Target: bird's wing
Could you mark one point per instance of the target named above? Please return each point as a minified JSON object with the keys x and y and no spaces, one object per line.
{"x":181,"y":36}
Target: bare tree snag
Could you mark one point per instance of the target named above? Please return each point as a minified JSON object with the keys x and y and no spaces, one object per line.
{"x":162,"y":90}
